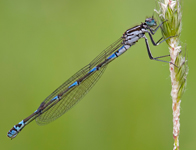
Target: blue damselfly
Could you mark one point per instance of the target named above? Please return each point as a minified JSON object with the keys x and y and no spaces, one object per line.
{"x":70,"y":92}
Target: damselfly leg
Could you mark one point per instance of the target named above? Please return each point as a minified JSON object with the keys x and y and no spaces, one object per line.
{"x":156,"y":43}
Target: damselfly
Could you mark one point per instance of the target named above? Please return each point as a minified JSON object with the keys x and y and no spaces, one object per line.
{"x":70,"y":92}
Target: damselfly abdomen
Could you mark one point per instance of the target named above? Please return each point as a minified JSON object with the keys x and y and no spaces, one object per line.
{"x":70,"y":92}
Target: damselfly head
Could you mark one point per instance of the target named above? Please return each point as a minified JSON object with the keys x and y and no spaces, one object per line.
{"x":150,"y":22}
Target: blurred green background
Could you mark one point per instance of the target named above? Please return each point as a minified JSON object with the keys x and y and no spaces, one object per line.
{"x":44,"y":42}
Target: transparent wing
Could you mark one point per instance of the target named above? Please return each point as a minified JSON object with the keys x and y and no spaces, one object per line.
{"x":73,"y":96}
